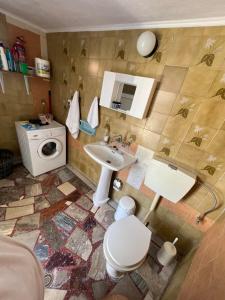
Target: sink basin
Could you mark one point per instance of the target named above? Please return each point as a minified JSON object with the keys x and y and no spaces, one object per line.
{"x":111,"y":159}
{"x":109,"y":156}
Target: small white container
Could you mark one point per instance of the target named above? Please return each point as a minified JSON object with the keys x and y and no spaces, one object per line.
{"x":125,"y":208}
{"x":42,"y":67}
{"x":166,"y":253}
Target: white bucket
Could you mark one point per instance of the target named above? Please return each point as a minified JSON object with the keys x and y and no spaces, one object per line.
{"x":42,"y":67}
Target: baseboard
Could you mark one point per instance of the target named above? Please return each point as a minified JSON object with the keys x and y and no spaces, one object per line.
{"x":83,"y":177}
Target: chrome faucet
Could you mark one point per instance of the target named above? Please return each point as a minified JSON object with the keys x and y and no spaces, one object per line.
{"x":117,"y":138}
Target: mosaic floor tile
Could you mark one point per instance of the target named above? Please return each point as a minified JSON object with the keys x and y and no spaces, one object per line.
{"x":25,"y":181}
{"x":6,"y":227}
{"x":42,"y":252}
{"x":54,"y":294}
{"x":97,"y":234}
{"x":60,"y":278}
{"x":65,"y":175}
{"x":105,"y":215}
{"x":11,"y":194}
{"x":28,"y":223}
{"x":154,"y":283}
{"x":77,"y":213}
{"x":23,"y":202}
{"x":79,"y":184}
{"x":2,"y":213}
{"x":33,"y":189}
{"x":89,"y":223}
{"x":85,"y":203}
{"x":28,"y":238}
{"x":41,"y":177}
{"x":80,"y":297}
{"x":50,"y":181}
{"x":79,"y":279}
{"x":139,"y":282}
{"x":127,"y":288}
{"x":41,"y":203}
{"x":64,"y":222}
{"x":100,"y":289}
{"x":18,"y":171}
{"x":66,"y":188}
{"x":54,"y":195}
{"x":80,"y":244}
{"x":97,"y":269}
{"x":60,"y":259}
{"x":55,"y":238}
{"x":16,"y":212}
{"x":149,"y":296}
{"x":6,"y":183}
{"x":94,"y":209}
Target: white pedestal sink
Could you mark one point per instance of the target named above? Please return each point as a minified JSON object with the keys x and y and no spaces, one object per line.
{"x":111,"y":159}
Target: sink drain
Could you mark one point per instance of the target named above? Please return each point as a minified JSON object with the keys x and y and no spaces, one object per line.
{"x":108,"y":161}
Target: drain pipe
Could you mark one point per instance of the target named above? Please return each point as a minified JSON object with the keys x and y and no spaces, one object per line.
{"x":215,"y":205}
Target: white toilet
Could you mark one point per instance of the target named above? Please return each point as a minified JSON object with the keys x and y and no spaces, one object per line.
{"x":126,"y":244}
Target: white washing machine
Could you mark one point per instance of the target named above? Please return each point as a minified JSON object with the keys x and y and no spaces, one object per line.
{"x":43,"y":148}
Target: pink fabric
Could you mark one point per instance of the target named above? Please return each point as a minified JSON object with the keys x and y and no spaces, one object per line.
{"x":21,"y":276}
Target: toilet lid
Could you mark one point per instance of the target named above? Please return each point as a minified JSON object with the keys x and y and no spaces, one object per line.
{"x":128,"y":241}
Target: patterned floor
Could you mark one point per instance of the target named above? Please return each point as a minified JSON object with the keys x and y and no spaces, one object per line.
{"x":54,"y":216}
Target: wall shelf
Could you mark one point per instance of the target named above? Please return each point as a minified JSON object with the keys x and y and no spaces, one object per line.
{"x":25,"y":77}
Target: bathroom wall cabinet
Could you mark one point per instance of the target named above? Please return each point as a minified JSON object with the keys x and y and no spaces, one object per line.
{"x":128,"y":94}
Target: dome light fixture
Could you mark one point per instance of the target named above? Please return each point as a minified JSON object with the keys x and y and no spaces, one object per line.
{"x":147,"y":44}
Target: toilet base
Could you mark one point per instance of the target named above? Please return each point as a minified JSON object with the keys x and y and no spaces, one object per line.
{"x":113,"y":274}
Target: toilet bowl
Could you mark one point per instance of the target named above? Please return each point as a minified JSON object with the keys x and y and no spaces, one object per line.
{"x":126,"y":243}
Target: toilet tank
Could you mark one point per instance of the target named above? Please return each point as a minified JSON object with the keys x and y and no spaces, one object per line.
{"x":168,"y":180}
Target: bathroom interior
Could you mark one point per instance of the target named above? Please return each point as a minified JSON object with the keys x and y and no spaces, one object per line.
{"x":112,"y":150}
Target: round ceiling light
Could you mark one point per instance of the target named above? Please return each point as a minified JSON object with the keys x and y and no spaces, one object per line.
{"x":147,"y":44}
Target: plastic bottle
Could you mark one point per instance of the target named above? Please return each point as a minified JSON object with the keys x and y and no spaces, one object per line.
{"x":9,"y":59}
{"x":18,"y":53}
{"x":3,"y":58}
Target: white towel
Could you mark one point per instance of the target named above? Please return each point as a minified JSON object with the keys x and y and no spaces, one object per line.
{"x":92,"y":117}
{"x":73,"y":117}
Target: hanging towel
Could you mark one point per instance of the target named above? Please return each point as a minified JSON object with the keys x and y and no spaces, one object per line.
{"x":73,"y":117}
{"x":93,"y":113}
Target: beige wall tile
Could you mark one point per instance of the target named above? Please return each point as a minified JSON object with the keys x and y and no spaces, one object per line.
{"x":173,"y":78}
{"x":163,"y":102}
{"x":156,"y":122}
{"x":211,"y":114}
{"x":198,"y":82}
{"x":183,"y":50}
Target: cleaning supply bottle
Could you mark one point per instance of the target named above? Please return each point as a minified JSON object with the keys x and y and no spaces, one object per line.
{"x":9,"y":59}
{"x":3,"y":57}
{"x":18,"y":52}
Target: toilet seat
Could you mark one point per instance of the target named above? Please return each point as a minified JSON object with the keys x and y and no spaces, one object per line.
{"x":126,"y":243}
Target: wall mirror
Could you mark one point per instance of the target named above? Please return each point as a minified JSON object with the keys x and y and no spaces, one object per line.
{"x":126,"y":93}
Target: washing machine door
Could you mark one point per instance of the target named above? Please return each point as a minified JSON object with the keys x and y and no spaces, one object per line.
{"x":49,"y":149}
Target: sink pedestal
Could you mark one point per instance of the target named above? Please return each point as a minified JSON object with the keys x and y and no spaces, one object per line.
{"x":101,"y":196}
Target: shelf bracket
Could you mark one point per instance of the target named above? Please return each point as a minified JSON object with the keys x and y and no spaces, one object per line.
{"x":26,"y":84}
{"x":2,"y":82}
